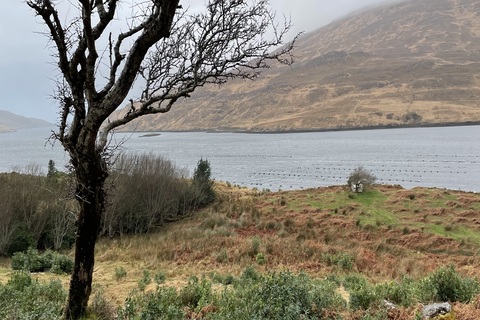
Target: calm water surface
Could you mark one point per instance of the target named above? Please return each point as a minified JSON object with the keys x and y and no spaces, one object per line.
{"x":446,"y":157}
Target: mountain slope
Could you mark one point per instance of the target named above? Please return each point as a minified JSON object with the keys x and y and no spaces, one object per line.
{"x":11,"y":122}
{"x":402,"y":64}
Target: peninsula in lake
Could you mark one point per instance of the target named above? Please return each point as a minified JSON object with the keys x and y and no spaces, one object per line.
{"x":12,"y":122}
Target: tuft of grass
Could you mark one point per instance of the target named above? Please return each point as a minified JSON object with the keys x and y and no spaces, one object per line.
{"x":120,"y":273}
{"x":222,"y":256}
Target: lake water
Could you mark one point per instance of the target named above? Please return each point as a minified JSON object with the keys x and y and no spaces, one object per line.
{"x":444,"y":157}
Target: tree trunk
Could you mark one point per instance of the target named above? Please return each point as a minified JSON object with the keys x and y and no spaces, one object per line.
{"x":90,"y":174}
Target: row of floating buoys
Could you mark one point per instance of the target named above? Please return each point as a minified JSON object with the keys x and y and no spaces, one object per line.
{"x":310,"y":172}
{"x":262,"y":156}
{"x":388,"y":170}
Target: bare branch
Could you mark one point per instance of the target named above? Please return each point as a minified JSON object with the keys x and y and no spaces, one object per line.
{"x":65,"y":101}
{"x":228,"y":41}
{"x":49,"y":14}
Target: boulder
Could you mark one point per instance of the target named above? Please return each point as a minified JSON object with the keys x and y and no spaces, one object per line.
{"x":438,"y":311}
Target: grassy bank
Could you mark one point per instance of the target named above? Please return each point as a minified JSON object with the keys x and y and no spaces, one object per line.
{"x":385,"y":234}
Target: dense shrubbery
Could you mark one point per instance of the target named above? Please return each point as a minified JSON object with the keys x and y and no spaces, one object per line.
{"x":33,"y":213}
{"x":146,"y":191}
{"x":443,"y":285}
{"x":32,"y":261}
{"x":252,"y":296}
{"x":280,"y":295}
{"x":25,"y":298}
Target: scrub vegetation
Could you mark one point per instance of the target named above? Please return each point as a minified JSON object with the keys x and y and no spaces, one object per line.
{"x":324,"y":253}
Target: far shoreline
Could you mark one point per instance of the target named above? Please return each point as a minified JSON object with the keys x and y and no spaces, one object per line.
{"x":338,"y":129}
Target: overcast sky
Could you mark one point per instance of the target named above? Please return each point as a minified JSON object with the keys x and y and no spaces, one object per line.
{"x":26,"y":67}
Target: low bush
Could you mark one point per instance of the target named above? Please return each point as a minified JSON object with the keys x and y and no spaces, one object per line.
{"x":222,"y":256}
{"x":250,"y":274}
{"x":354,"y":281}
{"x":363,"y":298}
{"x":100,"y":308}
{"x":163,"y":303}
{"x":226,"y":280}
{"x":261,"y":258}
{"x":33,"y":261}
{"x":342,"y":260}
{"x":274,"y":296}
{"x":24,"y":298}
{"x":160,"y":277}
{"x":324,"y":297}
{"x":445,"y":284}
{"x":61,"y":264}
{"x":278,"y":295}
{"x":255,"y":247}
{"x":403,"y":293}
{"x":120,"y":273}
{"x":197,"y":294}
{"x":145,"y":280}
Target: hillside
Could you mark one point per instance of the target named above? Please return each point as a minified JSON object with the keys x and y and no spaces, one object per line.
{"x":386,"y":235}
{"x":405,"y":63}
{"x":11,"y":122}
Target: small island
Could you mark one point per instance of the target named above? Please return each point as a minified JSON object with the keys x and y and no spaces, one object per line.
{"x":150,"y":135}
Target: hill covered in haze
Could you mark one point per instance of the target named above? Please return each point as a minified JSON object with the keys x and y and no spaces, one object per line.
{"x":405,"y":63}
{"x":11,"y":122}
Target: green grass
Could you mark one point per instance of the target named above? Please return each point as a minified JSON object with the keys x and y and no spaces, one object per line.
{"x":371,"y":198}
{"x":373,"y":209}
{"x":458,"y":233}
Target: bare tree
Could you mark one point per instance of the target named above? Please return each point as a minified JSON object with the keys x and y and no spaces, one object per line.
{"x":62,"y":223}
{"x":170,"y":51}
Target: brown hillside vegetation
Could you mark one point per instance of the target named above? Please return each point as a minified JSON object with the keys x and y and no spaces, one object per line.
{"x":405,"y":63}
{"x":385,"y":234}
